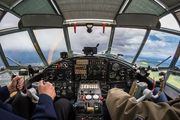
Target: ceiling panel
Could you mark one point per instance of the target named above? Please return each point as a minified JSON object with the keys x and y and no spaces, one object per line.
{"x":145,"y":6}
{"x":34,"y":6}
{"x":89,"y":9}
{"x":8,"y":3}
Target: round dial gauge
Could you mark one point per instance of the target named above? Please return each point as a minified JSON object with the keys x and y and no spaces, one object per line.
{"x":117,"y":77}
{"x":112,"y":75}
{"x":63,"y":92}
{"x":64,"y":84}
{"x":104,"y":89}
{"x":122,"y":71}
{"x":45,"y":77}
{"x":65,"y":64}
{"x":115,"y":67}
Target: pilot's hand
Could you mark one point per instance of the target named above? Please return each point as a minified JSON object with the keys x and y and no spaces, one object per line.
{"x":47,"y":88}
{"x":16,"y":84}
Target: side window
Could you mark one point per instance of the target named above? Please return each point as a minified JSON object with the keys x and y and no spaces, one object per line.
{"x":174,"y":78}
{"x":9,"y":21}
{"x":5,"y":79}
{"x":127,"y":41}
{"x":52,"y":42}
{"x":18,"y":47}
{"x":169,"y":21}
{"x":158,"y":47}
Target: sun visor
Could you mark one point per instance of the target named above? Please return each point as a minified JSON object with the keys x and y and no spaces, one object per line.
{"x":41,"y":21}
{"x":136,"y":20}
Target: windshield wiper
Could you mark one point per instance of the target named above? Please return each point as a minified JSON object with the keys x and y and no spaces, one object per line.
{"x":163,"y":61}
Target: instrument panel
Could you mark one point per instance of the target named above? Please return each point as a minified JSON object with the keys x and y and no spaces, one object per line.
{"x":67,"y":74}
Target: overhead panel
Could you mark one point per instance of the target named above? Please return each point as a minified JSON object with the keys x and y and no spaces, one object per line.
{"x":145,"y":6}
{"x":8,"y":3}
{"x":89,"y":9}
{"x":34,"y":6}
{"x":170,"y":3}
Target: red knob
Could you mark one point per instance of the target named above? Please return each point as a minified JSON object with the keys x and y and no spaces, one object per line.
{"x":101,"y":98}
{"x":83,"y":97}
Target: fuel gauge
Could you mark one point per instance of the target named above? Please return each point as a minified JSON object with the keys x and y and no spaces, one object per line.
{"x":65,"y":65}
{"x":112,"y":74}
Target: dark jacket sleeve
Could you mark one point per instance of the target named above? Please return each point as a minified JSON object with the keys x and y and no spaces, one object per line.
{"x":44,"y":109}
{"x":4,"y":93}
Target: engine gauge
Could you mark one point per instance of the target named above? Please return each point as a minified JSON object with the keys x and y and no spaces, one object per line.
{"x":58,"y":85}
{"x":64,"y":92}
{"x":94,"y":72}
{"x":115,"y":67}
{"x":112,"y":74}
{"x":70,"y":89}
{"x":45,"y":77}
{"x":117,"y":77}
{"x":64,"y":84}
{"x":77,"y":76}
{"x":129,"y":83}
{"x":68,"y":77}
{"x":122,"y":71}
{"x":103,"y":72}
{"x":104,"y":90}
{"x":51,"y":75}
{"x":65,"y":65}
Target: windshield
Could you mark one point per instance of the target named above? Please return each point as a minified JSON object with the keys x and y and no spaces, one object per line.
{"x":127,"y":41}
{"x":18,"y":47}
{"x":82,"y":38}
{"x":52,"y":42}
{"x":158,"y":47}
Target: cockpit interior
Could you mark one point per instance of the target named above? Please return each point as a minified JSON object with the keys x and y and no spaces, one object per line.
{"x":85,"y":48}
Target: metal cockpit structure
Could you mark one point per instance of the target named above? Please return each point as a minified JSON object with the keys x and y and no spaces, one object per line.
{"x":88,"y":11}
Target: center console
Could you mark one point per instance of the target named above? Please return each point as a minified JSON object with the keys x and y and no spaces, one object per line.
{"x":89,"y":104}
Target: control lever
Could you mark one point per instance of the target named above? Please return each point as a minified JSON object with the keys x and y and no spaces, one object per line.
{"x":149,"y":94}
{"x":32,"y":93}
{"x":13,"y":76}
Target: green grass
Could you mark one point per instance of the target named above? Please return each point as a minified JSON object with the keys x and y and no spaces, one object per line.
{"x":173,"y":80}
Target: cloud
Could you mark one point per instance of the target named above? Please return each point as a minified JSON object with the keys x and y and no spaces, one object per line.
{"x":82,"y":39}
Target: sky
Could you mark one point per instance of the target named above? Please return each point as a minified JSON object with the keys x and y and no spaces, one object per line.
{"x":126,"y":40}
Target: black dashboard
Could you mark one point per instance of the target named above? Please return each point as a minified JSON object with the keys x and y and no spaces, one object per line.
{"x":66,"y":75}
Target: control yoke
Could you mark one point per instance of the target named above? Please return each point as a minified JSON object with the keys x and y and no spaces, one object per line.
{"x":32,"y":93}
{"x":149,"y":94}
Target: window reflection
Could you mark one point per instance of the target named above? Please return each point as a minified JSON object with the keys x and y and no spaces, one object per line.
{"x":52,"y":42}
{"x":127,"y":41}
{"x":19,"y":48}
